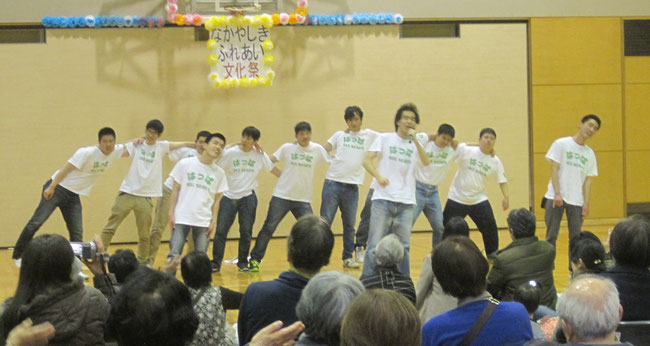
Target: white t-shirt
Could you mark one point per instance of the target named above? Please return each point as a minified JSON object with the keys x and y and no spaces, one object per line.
{"x":90,"y":163}
{"x":577,"y":162}
{"x":347,"y":162}
{"x":439,"y":159}
{"x":242,"y":169}
{"x":199,"y":185}
{"x":177,"y":155}
{"x":144,"y":178}
{"x":297,"y":179}
{"x":468,"y":186}
{"x":397,"y":160}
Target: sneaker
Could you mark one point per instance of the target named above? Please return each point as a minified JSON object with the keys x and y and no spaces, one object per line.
{"x":359,"y":254}
{"x":18,"y":261}
{"x":215,"y":267}
{"x":254,"y":266}
{"x":243,"y":268}
{"x":350,"y":263}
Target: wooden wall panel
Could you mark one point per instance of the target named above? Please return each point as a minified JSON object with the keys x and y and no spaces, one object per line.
{"x":637,"y":165}
{"x":637,"y":116}
{"x":637,"y":69}
{"x":558,"y":109}
{"x":575,"y":50}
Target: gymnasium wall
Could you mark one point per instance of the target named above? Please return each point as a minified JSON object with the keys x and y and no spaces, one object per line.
{"x":57,"y":95}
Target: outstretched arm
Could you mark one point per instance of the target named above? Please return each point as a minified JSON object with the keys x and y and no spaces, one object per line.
{"x":424,"y":158}
{"x":176,"y":145}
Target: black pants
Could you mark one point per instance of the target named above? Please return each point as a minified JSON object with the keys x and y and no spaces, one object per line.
{"x":482,"y":216}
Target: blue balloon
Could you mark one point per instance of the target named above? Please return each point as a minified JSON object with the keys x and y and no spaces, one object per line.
{"x":313,"y":19}
{"x":372,"y":18}
{"x":44,"y":21}
{"x":339,"y":19}
{"x":356,"y":19}
{"x":364,"y":18}
{"x":121,"y":22}
{"x":390,"y":18}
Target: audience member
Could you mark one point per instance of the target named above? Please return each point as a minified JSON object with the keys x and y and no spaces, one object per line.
{"x":630,"y":248}
{"x":526,"y":258}
{"x":27,"y":334}
{"x":209,"y":302}
{"x":152,"y":308}
{"x":586,"y":255}
{"x":275,"y":335}
{"x":462,"y":270}
{"x":309,"y":249}
{"x":381,"y":317}
{"x":528,"y":295}
{"x":47,"y":292}
{"x":323,"y":304}
{"x":389,"y":253}
{"x":120,"y":265}
{"x":590,"y":311}
{"x":431,"y":299}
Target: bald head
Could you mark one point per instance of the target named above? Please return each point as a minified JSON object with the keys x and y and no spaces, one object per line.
{"x":590,"y":309}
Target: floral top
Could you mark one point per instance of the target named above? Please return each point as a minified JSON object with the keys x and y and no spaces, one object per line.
{"x":213,"y":328}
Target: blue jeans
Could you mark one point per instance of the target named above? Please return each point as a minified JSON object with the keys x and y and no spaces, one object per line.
{"x":70,"y":206}
{"x":278,"y":208}
{"x":345,"y":197}
{"x":364,"y":224}
{"x":179,"y":236}
{"x":389,"y":217}
{"x":245,"y":208}
{"x":429,"y":202}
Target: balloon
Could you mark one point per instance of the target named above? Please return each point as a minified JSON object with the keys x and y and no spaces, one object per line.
{"x":212,"y":44}
{"x":213,"y":59}
{"x":244,"y":82}
{"x":267,"y":44}
{"x":269,"y":60}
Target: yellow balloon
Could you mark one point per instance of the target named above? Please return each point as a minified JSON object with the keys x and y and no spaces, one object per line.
{"x":212,"y":44}
{"x":217,"y":83}
{"x":267,"y":44}
{"x":247,"y":20}
{"x":225,"y":84}
{"x":213,"y":76}
{"x":257,"y":20}
{"x":209,"y":26}
{"x":212,"y":59}
{"x":244,"y":82}
{"x":253,"y":82}
{"x":271,"y":74}
{"x":261,"y":81}
{"x":269,"y":60}
{"x":222,"y":21}
{"x":232,"y":20}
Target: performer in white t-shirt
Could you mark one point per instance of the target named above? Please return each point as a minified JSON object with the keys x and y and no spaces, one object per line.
{"x":394,"y":185}
{"x":142,"y":183}
{"x":62,"y":190}
{"x":242,"y":164}
{"x":573,"y":163}
{"x":293,"y":191}
{"x":198,"y":185}
{"x":441,"y":149}
{"x":467,"y":193}
{"x":161,"y":214}
{"x":344,"y":175}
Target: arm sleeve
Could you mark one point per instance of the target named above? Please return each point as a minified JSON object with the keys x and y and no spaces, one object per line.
{"x":223,"y":184}
{"x":178,"y":171}
{"x":501,"y":173}
{"x":267,"y":164}
{"x":230,"y":299}
{"x":334,"y":139}
{"x":554,"y":153}
{"x":593,"y":170}
{"x":164,"y":147}
{"x":130,"y":147}
{"x":279,"y":154}
{"x":79,"y":158}
{"x":376,"y":144}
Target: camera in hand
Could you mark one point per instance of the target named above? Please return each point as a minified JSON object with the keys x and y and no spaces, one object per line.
{"x":87,"y":251}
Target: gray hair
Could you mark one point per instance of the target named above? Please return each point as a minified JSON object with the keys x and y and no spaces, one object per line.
{"x":323,"y":304}
{"x":390,"y":251}
{"x":591,"y":306}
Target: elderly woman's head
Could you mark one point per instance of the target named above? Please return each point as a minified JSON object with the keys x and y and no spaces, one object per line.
{"x":323,"y":304}
{"x":389,"y":251}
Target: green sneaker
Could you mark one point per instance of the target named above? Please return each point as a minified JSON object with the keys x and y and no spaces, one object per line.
{"x":254,"y":266}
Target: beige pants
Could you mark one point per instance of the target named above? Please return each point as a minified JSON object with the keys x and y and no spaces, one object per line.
{"x":142,"y":208}
{"x":160,"y":223}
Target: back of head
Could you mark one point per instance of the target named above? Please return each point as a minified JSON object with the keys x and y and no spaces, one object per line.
{"x":629,"y":242}
{"x":46,"y":262}
{"x":460,"y":267}
{"x":389,"y":251}
{"x":588,"y":251}
{"x":528,"y":294}
{"x":310,"y":244}
{"x":152,"y":308}
{"x":456,"y":226}
{"x":590,"y":304}
{"x":196,"y":270}
{"x":380,"y":317}
{"x":122,"y":263}
{"x":522,"y":223}
{"x":323,"y":304}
